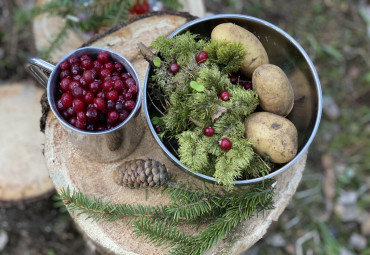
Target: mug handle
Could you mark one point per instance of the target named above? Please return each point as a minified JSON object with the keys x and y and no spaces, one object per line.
{"x":37,"y":67}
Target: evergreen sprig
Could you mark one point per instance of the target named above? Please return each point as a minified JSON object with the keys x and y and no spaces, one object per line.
{"x":223,"y":210}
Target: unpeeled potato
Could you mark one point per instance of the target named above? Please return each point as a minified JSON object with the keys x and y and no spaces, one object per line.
{"x":256,"y":53}
{"x":272,"y":135}
{"x":273,"y":88}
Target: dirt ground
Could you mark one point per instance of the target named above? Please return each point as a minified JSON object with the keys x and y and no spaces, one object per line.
{"x":330,"y":213}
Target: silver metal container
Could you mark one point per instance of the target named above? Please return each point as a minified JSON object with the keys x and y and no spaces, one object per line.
{"x":103,"y":146}
{"x":283,"y":51}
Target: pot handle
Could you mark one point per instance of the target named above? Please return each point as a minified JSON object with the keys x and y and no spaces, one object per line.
{"x":37,"y":67}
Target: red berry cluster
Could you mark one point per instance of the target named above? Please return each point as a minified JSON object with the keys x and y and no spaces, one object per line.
{"x":95,"y":94}
{"x":245,"y":84}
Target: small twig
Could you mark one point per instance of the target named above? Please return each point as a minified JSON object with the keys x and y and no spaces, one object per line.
{"x":147,"y":54}
{"x":151,"y":100}
{"x":196,"y":122}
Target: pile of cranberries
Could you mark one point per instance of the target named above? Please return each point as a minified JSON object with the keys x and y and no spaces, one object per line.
{"x":95,"y":94}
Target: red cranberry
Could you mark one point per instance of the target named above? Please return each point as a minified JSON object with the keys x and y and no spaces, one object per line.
{"x":101,"y":94}
{"x":132,"y":89}
{"x":71,"y":111}
{"x":92,"y":115}
{"x":73,"y":60}
{"x":123,"y":115}
{"x":100,"y":127}
{"x":130,"y":104}
{"x":110,"y":104}
{"x":174,"y":68}
{"x":208,"y":131}
{"x":80,"y":124}
{"x":127,"y":96}
{"x":95,"y":86}
{"x":73,"y":85}
{"x":234,"y":79}
{"x":118,"y":85}
{"x":77,"y":77}
{"x":107,"y":85}
{"x":140,"y":7}
{"x":247,"y":85}
{"x":111,"y":95}
{"x":129,"y":81}
{"x":64,"y":84}
{"x":67,"y":99}
{"x":78,"y":92}
{"x":89,"y":97}
{"x":109,"y":66}
{"x":225,"y":96}
{"x":104,"y":73}
{"x":73,"y":121}
{"x":158,"y":129}
{"x":97,"y":65}
{"x":81,"y":116}
{"x":119,"y":107}
{"x":100,"y":103}
{"x":59,"y":105}
{"x":76,"y":69}
{"x":118,"y":66}
{"x":85,"y":57}
{"x":64,"y":74}
{"x":225,"y":144}
{"x":103,"y":56}
{"x":90,"y":127}
{"x":64,"y":65}
{"x":201,"y":56}
{"x":78,"y":105}
{"x":88,"y":76}
{"x":126,"y":76}
{"x":87,"y":64}
{"x":84,"y":83}
{"x":113,"y":116}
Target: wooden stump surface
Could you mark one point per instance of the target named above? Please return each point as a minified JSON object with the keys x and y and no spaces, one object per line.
{"x":23,"y":175}
{"x":67,"y":168}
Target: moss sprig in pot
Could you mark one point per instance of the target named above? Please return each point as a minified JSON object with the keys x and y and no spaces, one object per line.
{"x":198,"y":94}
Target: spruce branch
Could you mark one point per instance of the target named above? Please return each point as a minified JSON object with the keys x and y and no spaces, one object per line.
{"x":191,"y":204}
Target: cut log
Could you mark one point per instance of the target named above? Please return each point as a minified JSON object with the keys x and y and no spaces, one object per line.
{"x":68,"y":168}
{"x":24,"y":175}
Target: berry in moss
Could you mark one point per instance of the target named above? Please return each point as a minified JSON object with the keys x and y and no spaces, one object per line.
{"x":174,"y":68}
{"x":225,"y":144}
{"x":201,"y":57}
{"x":208,"y":131}
{"x":225,"y":96}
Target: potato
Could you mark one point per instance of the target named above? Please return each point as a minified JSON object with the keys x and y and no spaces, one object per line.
{"x":256,"y":53}
{"x":272,"y":135}
{"x":274,"y":90}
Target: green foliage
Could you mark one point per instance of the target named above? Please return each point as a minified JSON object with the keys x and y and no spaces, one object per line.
{"x":222,"y":209}
{"x":85,"y":16}
{"x":191,"y":102}
{"x":181,"y":50}
{"x":228,"y":56}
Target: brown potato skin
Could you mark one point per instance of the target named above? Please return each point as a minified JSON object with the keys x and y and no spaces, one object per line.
{"x":272,"y":135}
{"x":274,"y":90}
{"x":256,"y":53}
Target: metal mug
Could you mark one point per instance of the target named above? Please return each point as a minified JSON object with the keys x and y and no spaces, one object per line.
{"x":103,"y":146}
{"x":283,"y":51}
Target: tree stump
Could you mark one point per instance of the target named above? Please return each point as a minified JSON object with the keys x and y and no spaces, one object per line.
{"x":68,"y":168}
{"x":24,"y":175}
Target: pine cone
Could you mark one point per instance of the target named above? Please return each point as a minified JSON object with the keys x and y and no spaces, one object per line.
{"x":141,"y":173}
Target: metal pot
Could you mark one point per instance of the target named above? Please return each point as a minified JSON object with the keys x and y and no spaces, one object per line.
{"x":283,"y":51}
{"x":102,"y":146}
